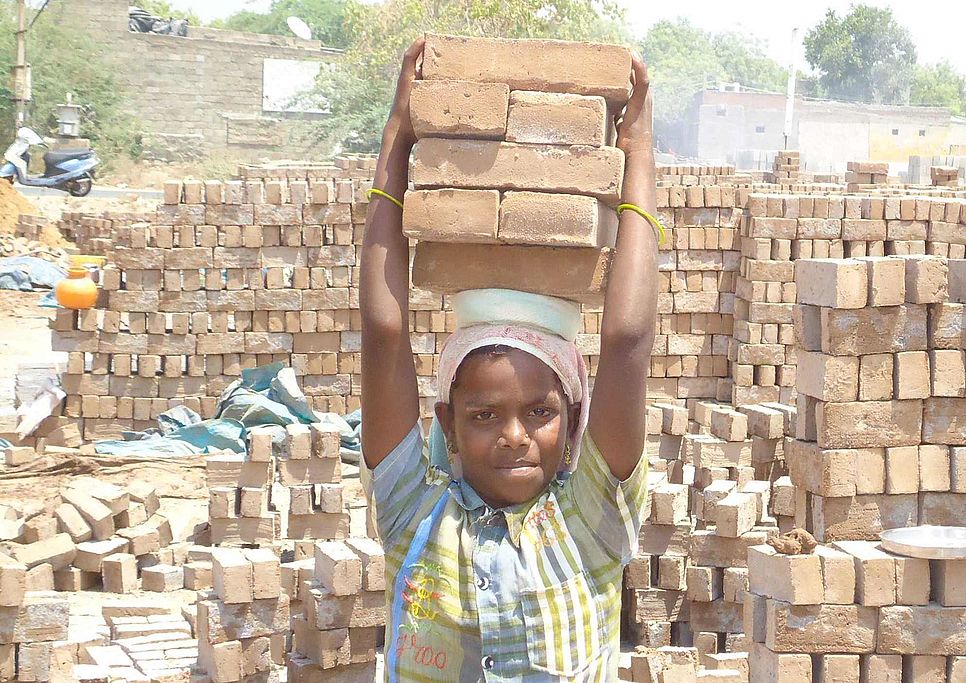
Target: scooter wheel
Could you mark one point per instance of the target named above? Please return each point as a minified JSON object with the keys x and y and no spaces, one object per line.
{"x":81,"y":187}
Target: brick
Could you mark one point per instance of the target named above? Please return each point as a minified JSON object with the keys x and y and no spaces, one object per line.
{"x":873,"y":330}
{"x":765,"y":665}
{"x":542,"y":65}
{"x":556,"y":119}
{"x":219,"y":622}
{"x":875,"y":573}
{"x":735,"y":514}
{"x":576,"y":274}
{"x":669,"y":504}
{"x":451,"y":215}
{"x":13,"y":581}
{"x":884,"y":668}
{"x":944,"y":421}
{"x":860,"y":517}
{"x":119,"y":573}
{"x":540,"y":218}
{"x":828,"y":378}
{"x":222,"y":661}
{"x":949,"y":582}
{"x":820,"y":628}
{"x":729,"y":425}
{"x":796,"y":579}
{"x":266,"y":573}
{"x":459,"y":109}
{"x":838,"y":575}
{"x":41,"y":617}
{"x":337,"y":568}
{"x":373,"y":562}
{"x":90,"y":554}
{"x":835,"y":668}
{"x":869,"y":424}
{"x":94,"y":512}
{"x":198,"y":575}
{"x":471,"y":164}
{"x":887,"y":280}
{"x":922,"y":630}
{"x":834,"y":283}
{"x":57,"y":551}
{"x":70,"y":521}
{"x":912,"y":376}
{"x":232,"y":576}
{"x":948,"y":373}
{"x":912,"y":581}
{"x":162,"y":578}
{"x":926,"y":280}
{"x":876,"y":373}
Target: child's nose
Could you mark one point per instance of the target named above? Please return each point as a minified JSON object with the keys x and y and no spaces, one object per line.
{"x":515,"y":433}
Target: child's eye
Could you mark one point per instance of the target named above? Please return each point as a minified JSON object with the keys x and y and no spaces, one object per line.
{"x":542,"y":412}
{"x":483,"y":415}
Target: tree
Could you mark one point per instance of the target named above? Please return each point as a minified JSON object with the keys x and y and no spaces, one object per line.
{"x":326,"y":18}
{"x":358,"y":91}
{"x":939,"y":84}
{"x":865,"y":55}
{"x":68,"y":61}
{"x":683,"y":60}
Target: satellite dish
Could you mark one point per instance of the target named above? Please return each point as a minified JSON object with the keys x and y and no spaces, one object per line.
{"x":299,"y":28}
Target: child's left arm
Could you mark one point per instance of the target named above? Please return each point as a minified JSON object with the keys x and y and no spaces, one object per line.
{"x":618,"y":408}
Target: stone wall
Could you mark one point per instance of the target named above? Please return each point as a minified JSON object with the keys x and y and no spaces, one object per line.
{"x":199,"y":94}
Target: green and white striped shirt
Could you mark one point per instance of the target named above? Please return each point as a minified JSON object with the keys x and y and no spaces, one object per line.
{"x":526,"y":593}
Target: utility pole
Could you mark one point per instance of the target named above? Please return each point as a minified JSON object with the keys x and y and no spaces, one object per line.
{"x":790,"y":94}
{"x":21,"y":70}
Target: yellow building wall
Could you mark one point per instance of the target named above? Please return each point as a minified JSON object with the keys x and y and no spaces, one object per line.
{"x":884,"y":146}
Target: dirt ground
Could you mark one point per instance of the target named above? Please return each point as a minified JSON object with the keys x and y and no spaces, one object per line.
{"x":12,"y":204}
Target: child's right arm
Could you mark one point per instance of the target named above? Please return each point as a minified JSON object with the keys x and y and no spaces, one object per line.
{"x":390,"y":397}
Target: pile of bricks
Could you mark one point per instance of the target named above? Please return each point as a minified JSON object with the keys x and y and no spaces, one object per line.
{"x":145,"y":642}
{"x":944,"y":176}
{"x":860,"y":175}
{"x":344,"y":166}
{"x":343,"y":614}
{"x":881,"y":384}
{"x":685,"y":175}
{"x":30,"y":226}
{"x":287,"y":485}
{"x":242,"y":623}
{"x":31,"y":626}
{"x":100,"y":534}
{"x":786,"y":169}
{"x":851,"y":611}
{"x":679,"y":665}
{"x":513,"y":173}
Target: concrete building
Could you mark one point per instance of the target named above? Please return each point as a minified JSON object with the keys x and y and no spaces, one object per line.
{"x":746,"y":128}
{"x":212,"y":92}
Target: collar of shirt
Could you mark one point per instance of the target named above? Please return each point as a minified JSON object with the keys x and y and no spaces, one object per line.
{"x":516,"y":515}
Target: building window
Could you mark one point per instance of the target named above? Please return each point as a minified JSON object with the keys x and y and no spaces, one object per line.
{"x":922,"y":132}
{"x":759,"y":129}
{"x":895,"y":131}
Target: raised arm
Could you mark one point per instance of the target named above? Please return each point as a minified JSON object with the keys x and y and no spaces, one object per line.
{"x":390,"y":397}
{"x":627,"y":330}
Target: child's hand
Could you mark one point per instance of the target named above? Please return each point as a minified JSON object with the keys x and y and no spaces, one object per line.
{"x":634,"y":127}
{"x":400,"y":123}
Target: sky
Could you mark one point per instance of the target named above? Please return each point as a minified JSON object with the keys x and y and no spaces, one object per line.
{"x":936,"y":25}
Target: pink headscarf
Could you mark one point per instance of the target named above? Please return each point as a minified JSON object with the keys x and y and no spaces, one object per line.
{"x":557,"y":353}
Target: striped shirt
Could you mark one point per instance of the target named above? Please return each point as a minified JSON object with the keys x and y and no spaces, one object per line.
{"x":530,"y":592}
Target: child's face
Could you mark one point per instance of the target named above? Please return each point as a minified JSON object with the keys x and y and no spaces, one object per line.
{"x":510,"y":418}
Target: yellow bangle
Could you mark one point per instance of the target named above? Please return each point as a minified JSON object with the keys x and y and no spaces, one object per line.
{"x":621,"y":208}
{"x":381,"y":193}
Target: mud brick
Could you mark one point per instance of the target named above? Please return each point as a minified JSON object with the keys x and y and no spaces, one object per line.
{"x":222,"y":661}
{"x":57,"y":551}
{"x":556,"y":119}
{"x":912,"y":376}
{"x":887,"y":282}
{"x":94,"y":512}
{"x":91,"y":554}
{"x":41,"y":617}
{"x":70,"y":521}
{"x":595,"y":171}
{"x":713,"y":452}
{"x":119,"y":573}
{"x":326,"y":441}
{"x":13,"y":582}
{"x":711,"y":550}
{"x":41,"y":578}
{"x":926,"y":280}
{"x":947,"y":326}
{"x":838,"y":575}
{"x":266,"y":573}
{"x":875,"y":573}
{"x":869,"y":424}
{"x":957,"y":468}
{"x":142,"y":539}
{"x":820,"y":628}
{"x":219,"y":622}
{"x":729,"y":425}
{"x":542,"y":65}
{"x":222,"y":502}
{"x":232,"y":576}
{"x":828,"y":378}
{"x":912,"y":581}
{"x":944,"y":421}
{"x":826,"y":472}
{"x":236,"y":470}
{"x":172,"y":192}
{"x":735,"y":514}
{"x":669,"y":504}
{"x":540,"y":218}
{"x":861,"y":517}
{"x":228,"y":214}
{"x":934,"y":468}
{"x":253,"y":501}
{"x":373,"y":562}
{"x":198,"y":575}
{"x":162,"y":578}
{"x":948,"y":582}
{"x":948,"y":373}
{"x":921,"y":630}
{"x":704,"y":584}
{"x":337,"y":568}
{"x":876,"y":373}
{"x":795,"y":579}
{"x":873,"y":330}
{"x":451,"y":215}
{"x":135,"y":514}
{"x":832,"y":282}
{"x":298,"y":441}
{"x":765,"y":665}
{"x":244,"y":530}
{"x":764,"y":422}
{"x":459,"y":109}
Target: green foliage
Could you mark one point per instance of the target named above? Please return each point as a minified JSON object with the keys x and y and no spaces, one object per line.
{"x":865,"y":55}
{"x":683,"y":60}
{"x":360,"y":88}
{"x":163,"y":9}
{"x":939,"y":84}
{"x":66,"y":61}
{"x":326,"y":18}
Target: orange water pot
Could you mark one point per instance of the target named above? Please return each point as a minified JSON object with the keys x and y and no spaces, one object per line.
{"x":77,"y":290}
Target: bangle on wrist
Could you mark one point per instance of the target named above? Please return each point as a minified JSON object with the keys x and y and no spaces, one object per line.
{"x":621,"y":208}
{"x":382,"y":193}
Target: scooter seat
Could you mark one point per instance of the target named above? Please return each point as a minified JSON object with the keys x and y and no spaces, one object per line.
{"x":52,"y":159}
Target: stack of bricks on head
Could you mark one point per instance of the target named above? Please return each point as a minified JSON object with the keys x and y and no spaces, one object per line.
{"x":515,"y":174}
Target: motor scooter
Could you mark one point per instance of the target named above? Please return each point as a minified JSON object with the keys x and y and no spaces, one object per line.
{"x":70,"y":170}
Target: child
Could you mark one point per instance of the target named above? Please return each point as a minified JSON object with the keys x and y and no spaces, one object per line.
{"x":506,"y":537}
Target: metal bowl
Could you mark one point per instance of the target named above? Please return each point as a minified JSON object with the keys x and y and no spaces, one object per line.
{"x":927,"y":542}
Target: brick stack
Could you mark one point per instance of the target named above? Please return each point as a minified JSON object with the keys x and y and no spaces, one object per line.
{"x":685,"y":175}
{"x":786,"y":169}
{"x":861,"y":176}
{"x":513,"y":175}
{"x":344,"y":614}
{"x":851,"y":612}
{"x":30,"y":226}
{"x":31,"y":626}
{"x":146,"y":643}
{"x":242,"y":622}
{"x":311,"y":471}
{"x":681,"y":665}
{"x":944,"y":176}
{"x":881,"y":386}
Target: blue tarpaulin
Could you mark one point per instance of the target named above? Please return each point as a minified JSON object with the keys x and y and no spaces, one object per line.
{"x":29,"y":273}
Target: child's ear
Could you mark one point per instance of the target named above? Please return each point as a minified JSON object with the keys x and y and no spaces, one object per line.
{"x":444,"y":413}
